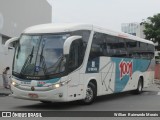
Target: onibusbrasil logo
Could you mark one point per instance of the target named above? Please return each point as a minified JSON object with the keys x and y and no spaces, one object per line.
{"x":21,"y":114}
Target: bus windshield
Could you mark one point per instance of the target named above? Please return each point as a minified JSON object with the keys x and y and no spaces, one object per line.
{"x":40,"y":55}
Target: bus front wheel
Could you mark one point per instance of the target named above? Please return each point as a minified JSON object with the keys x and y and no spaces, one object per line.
{"x":90,"y":94}
{"x":139,"y":86}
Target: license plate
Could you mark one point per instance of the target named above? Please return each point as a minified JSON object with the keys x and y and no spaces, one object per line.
{"x":33,"y":95}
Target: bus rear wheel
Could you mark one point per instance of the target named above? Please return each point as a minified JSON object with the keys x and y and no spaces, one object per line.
{"x":139,"y":86}
{"x":90,"y":94}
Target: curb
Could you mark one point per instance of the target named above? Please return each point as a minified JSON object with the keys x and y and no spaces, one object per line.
{"x":4,"y":94}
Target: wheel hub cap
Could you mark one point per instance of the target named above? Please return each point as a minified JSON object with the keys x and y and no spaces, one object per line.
{"x":89,"y":94}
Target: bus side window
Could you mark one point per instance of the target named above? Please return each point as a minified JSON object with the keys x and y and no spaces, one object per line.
{"x":132,"y":48}
{"x":115,"y":46}
{"x":97,"y":46}
{"x":150,"y":50}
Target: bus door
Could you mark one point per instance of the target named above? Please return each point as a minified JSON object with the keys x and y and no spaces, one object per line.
{"x":74,"y":62}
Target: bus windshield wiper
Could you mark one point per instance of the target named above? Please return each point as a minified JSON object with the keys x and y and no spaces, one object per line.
{"x":57,"y":64}
{"x":28,"y":60}
{"x":42,"y":60}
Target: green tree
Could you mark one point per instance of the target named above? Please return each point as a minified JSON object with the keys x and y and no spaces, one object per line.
{"x":152,"y":29}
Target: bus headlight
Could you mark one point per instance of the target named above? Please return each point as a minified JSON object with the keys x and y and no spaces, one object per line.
{"x":55,"y":86}
{"x":14,"y":83}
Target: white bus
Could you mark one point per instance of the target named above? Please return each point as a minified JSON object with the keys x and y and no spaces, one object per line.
{"x":68,"y":62}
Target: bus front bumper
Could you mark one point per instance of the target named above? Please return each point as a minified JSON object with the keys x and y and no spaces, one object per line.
{"x":55,"y":95}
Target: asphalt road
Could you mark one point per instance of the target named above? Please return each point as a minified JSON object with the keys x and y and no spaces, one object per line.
{"x":149,"y":100}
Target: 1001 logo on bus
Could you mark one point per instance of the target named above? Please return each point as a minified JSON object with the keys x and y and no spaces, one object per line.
{"x":125,"y":68}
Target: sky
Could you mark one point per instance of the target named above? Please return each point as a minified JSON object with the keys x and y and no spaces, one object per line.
{"x":105,"y":13}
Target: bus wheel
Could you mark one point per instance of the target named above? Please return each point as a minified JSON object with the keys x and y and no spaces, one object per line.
{"x":90,"y":94}
{"x":139,"y":86}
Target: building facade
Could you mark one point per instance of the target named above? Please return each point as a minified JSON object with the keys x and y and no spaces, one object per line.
{"x":140,"y":30}
{"x":133,"y":29}
{"x":129,"y":28}
{"x":16,"y":15}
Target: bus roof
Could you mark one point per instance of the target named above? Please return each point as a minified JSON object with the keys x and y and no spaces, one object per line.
{"x":57,"y":28}
{"x":67,"y":27}
{"x":121,"y":34}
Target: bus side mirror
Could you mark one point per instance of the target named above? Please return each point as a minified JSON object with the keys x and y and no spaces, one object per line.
{"x":6,"y":46}
{"x":68,"y":42}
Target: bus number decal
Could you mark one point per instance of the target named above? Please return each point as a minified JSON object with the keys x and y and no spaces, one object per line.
{"x":125,"y":68}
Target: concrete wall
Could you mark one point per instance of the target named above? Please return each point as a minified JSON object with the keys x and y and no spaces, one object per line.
{"x":6,"y":59}
{"x":157,"y":71}
{"x":16,"y":15}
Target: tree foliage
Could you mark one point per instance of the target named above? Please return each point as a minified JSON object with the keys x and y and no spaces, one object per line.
{"x":152,"y":28}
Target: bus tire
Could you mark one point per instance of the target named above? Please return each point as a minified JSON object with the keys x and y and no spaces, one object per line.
{"x":139,"y":86}
{"x":90,"y":94}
